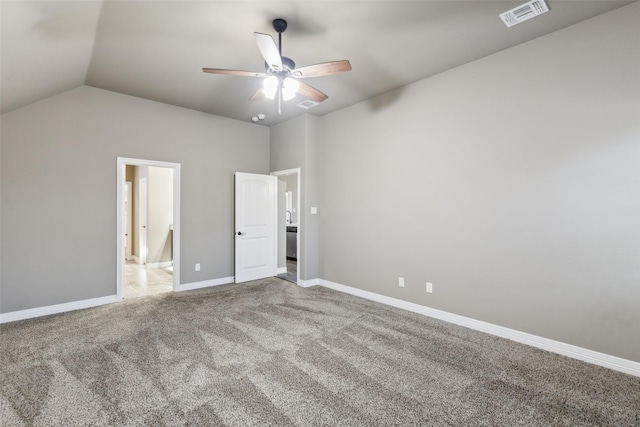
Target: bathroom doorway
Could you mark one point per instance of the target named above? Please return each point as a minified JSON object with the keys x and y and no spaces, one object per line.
{"x":288,"y":224}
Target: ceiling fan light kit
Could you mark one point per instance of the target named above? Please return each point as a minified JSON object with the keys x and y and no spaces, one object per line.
{"x":270,"y":86}
{"x":289,"y":88}
{"x":281,"y":76}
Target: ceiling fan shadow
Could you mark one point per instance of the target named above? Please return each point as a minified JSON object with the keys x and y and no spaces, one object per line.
{"x":386,"y":99}
{"x":301,"y":22}
{"x":70,"y":20}
{"x":379,"y":89}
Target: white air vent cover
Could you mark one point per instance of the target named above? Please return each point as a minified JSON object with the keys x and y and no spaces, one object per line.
{"x":308,"y":104}
{"x":524,"y":12}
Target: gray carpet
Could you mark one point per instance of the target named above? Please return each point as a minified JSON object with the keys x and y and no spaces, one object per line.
{"x":271,"y":353}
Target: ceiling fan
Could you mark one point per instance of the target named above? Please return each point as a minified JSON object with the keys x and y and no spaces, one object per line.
{"x":281,"y":75}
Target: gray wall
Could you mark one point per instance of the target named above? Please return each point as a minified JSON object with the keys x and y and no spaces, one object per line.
{"x":512,"y":183}
{"x":294,"y":145}
{"x":311,"y":189}
{"x":59,"y":190}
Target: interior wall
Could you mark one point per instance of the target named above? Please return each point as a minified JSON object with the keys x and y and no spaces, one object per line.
{"x":59,"y":231}
{"x":129,"y":172}
{"x":510,"y":183}
{"x":293,"y":145}
{"x":160,"y":214}
{"x":311,"y":189}
{"x":287,"y":151}
{"x":130,"y":175}
{"x":138,"y":172}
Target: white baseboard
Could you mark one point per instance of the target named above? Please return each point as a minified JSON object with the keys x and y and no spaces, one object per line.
{"x":95,"y":302}
{"x":601,"y":359}
{"x":281,"y":270}
{"x":55,"y":309}
{"x":205,"y":284}
{"x":308,"y":283}
{"x":154,"y":265}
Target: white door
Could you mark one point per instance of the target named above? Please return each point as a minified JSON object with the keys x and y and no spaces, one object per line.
{"x":128,"y":209}
{"x":142,"y":220}
{"x":255,"y":227}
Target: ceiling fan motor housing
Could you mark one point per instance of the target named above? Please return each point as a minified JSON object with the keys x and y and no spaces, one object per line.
{"x":287,"y":65}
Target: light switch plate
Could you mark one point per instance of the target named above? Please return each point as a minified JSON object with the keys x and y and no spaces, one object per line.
{"x":314,"y":210}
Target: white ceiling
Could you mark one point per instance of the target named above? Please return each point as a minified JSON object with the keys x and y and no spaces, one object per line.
{"x":157,"y":49}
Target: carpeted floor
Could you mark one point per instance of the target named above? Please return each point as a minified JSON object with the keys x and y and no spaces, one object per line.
{"x":272,"y":353}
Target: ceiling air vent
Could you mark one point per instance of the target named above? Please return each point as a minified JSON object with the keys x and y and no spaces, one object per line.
{"x":524,"y":12}
{"x":308,"y":104}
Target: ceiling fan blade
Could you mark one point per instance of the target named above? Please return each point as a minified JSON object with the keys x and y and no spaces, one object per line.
{"x":323,"y":69}
{"x":233,"y":72}
{"x":311,"y":92}
{"x":269,"y":50}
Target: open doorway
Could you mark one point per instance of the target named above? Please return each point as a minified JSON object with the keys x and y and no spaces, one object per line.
{"x":288,"y":229}
{"x":148,"y":227}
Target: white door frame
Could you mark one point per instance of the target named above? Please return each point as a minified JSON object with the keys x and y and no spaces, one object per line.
{"x":284,"y":173}
{"x":120,"y":179}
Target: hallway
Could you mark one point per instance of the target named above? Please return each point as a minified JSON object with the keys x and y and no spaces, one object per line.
{"x":140,"y":282}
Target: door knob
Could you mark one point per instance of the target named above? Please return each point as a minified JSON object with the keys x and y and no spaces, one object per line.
{"x":240,"y":233}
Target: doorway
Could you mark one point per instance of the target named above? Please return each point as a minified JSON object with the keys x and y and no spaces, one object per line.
{"x":288,"y":229}
{"x":157,"y":253}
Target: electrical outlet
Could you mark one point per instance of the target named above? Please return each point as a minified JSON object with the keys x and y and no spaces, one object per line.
{"x":430,"y":287}
{"x":401,"y":282}
{"x":198,"y":267}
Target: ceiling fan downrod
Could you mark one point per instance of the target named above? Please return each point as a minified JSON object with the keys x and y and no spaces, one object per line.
{"x":280,"y":25}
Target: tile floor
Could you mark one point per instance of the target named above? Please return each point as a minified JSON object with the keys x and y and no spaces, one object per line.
{"x":139,"y":282}
{"x":292,"y":272}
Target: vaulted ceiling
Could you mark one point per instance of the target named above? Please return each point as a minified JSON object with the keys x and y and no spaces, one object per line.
{"x":157,"y":49}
